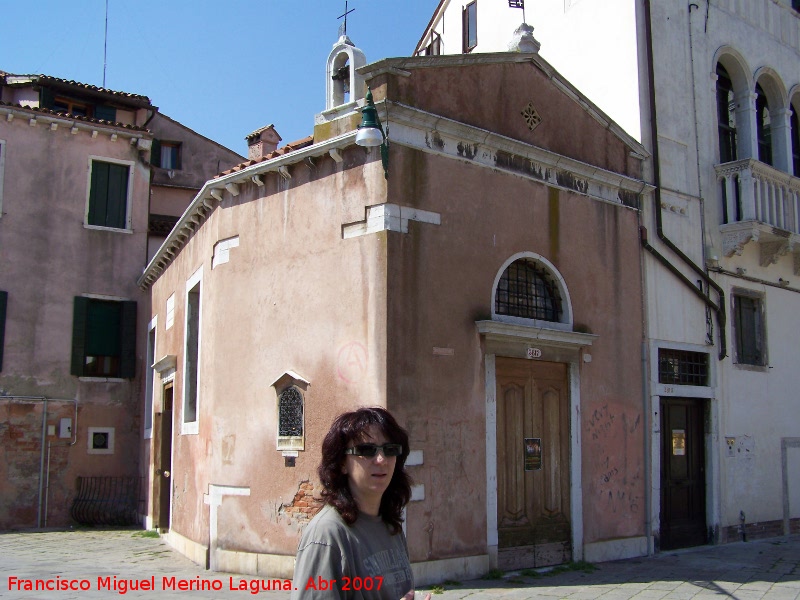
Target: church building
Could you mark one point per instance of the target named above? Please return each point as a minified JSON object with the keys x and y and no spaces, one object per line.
{"x":473,"y":265}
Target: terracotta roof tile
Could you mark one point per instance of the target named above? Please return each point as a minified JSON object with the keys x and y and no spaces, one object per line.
{"x":291,"y":147}
{"x":71,"y":117}
{"x":93,"y":88}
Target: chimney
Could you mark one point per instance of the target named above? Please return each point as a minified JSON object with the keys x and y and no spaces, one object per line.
{"x":261,"y":142}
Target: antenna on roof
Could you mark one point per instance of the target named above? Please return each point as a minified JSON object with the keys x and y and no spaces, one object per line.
{"x":343,"y":26}
{"x":105,"y":48}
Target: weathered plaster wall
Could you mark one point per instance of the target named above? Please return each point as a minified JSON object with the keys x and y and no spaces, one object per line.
{"x":441,"y":283}
{"x":47,"y":257}
{"x":481,"y":95}
{"x":293,"y":296}
{"x":201,"y":158}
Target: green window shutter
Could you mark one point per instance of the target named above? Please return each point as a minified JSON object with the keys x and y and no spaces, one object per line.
{"x":106,"y":113}
{"x":127,"y":361}
{"x":3,"y":304}
{"x":103,"y":328}
{"x":108,"y":195}
{"x":98,"y":193}
{"x":46,"y":98}
{"x":179,"y":157}
{"x":117,"y":208}
{"x":155,"y":153}
{"x":79,"y":314}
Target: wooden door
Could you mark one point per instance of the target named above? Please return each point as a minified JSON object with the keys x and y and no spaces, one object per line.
{"x":683,"y":486}
{"x":162,"y":461}
{"x":533,"y":469}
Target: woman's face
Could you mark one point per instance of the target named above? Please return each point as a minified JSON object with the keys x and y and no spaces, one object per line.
{"x":369,"y":477}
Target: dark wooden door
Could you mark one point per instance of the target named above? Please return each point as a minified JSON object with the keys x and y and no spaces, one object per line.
{"x":533,"y":473}
{"x":163,"y":462}
{"x":683,"y":486}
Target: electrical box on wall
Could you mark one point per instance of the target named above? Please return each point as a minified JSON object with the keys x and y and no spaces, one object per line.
{"x":65,"y":428}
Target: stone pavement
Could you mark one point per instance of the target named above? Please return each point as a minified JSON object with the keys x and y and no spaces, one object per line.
{"x":99,"y":560}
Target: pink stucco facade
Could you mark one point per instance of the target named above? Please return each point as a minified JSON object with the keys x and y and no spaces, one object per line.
{"x":368,"y":290}
{"x":49,"y":257}
{"x":60,"y":253}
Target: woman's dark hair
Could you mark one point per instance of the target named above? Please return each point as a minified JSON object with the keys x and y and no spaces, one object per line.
{"x":352,"y":427}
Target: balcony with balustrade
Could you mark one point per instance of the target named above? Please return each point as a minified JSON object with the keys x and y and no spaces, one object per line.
{"x":760,"y":204}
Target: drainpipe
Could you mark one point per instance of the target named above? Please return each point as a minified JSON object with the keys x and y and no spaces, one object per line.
{"x":50,"y":444}
{"x":718,"y":308}
{"x":648,"y":467}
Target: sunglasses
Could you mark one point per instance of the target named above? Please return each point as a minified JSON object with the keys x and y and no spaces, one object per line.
{"x":370,"y":450}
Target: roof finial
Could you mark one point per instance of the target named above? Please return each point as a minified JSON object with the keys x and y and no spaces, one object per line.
{"x":343,"y":26}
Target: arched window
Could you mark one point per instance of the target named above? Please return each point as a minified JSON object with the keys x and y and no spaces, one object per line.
{"x":726,"y":116}
{"x":290,"y":413}
{"x":527,"y":290}
{"x":763,"y":130}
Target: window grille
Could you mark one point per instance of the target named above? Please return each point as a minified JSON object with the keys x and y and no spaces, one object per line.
{"x":290,"y":413}
{"x":682,"y":367}
{"x":528,"y":291}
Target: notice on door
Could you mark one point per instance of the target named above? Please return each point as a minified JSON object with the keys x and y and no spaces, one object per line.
{"x":533,"y":454}
{"x":678,"y":442}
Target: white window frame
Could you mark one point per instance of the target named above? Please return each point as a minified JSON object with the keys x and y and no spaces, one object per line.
{"x":2,"y":171}
{"x":92,"y":431}
{"x":192,"y":427}
{"x":149,"y":380}
{"x":565,"y":324}
{"x":129,"y":199}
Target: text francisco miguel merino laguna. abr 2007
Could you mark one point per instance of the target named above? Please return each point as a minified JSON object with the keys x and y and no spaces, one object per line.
{"x":123,"y":586}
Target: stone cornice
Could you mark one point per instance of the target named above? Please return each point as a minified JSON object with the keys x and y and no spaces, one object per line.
{"x":422,"y":131}
{"x":52,"y":120}
{"x":432,"y":133}
{"x":499,"y":331}
{"x":404,"y":66}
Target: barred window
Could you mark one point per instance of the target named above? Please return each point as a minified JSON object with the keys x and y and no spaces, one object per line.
{"x":527,"y":290}
{"x":682,"y":367}
{"x":290,"y":413}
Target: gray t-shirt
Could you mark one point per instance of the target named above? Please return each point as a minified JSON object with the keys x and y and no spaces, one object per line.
{"x":364,"y":561}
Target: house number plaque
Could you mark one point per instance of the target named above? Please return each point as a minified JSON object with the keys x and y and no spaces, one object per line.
{"x":534,"y":353}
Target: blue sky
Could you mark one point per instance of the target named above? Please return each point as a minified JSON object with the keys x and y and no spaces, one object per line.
{"x":221,"y":67}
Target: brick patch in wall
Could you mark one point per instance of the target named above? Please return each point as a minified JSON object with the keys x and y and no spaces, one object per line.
{"x":304,"y":505}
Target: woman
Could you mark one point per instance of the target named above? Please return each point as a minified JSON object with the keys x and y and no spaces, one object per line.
{"x":355,"y":546}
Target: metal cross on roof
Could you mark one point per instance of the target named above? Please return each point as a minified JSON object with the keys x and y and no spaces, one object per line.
{"x":343,"y":26}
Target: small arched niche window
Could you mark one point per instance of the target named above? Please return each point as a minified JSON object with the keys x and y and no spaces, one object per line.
{"x":527,"y":290}
{"x":290,"y":388}
{"x":290,"y":413}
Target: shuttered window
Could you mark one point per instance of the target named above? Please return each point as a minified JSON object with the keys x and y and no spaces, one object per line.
{"x":108,"y":195}
{"x":749,"y":325}
{"x":103,"y":338}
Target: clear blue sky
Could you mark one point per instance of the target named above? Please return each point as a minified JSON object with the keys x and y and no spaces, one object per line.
{"x":221,"y":67}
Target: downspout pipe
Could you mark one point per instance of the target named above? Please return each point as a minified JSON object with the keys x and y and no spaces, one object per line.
{"x":718,"y":308}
